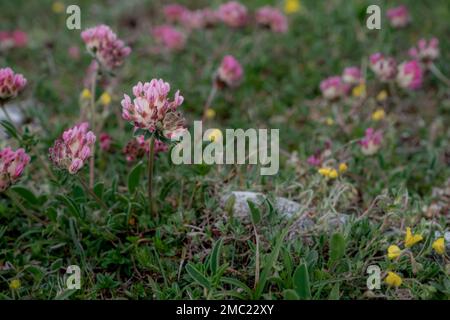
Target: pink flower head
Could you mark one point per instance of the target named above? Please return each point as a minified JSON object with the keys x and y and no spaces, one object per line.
{"x":352,"y":75}
{"x":14,"y":39}
{"x":230,"y":72}
{"x":103,"y":43}
{"x":314,"y":160}
{"x":138,"y":146}
{"x":371,"y":141}
{"x":74,"y":52}
{"x":426,"y":51}
{"x":12,"y":164}
{"x":175,"y":12}
{"x":272,"y":18}
{"x":233,"y":14}
{"x":169,"y":37}
{"x":333,"y":88}
{"x":11,"y":84}
{"x":410,"y":75}
{"x":152,"y":110}
{"x":105,"y":141}
{"x":385,"y":68}
{"x":199,"y":19}
{"x":399,"y":16}
{"x":71,"y":151}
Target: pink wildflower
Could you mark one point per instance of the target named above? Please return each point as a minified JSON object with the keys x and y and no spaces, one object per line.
{"x":71,"y":151}
{"x":169,"y":37}
{"x":333,"y":88}
{"x":175,"y":12}
{"x":12,"y":164}
{"x":410,"y":75}
{"x":426,"y":51}
{"x":105,"y":141}
{"x":11,"y":84}
{"x":371,"y":141}
{"x":14,"y":39}
{"x":74,"y":52}
{"x":103,"y":43}
{"x":199,"y":19}
{"x":152,"y":110}
{"x":384,"y":67}
{"x":233,"y":14}
{"x":138,"y":146}
{"x":399,"y":16}
{"x":352,"y":75}
{"x":230,"y":72}
{"x":272,"y":18}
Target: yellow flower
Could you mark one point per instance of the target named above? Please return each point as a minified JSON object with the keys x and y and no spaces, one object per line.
{"x":324,"y":171}
{"x":359,"y":90}
{"x":15,"y":284}
{"x":291,"y":6}
{"x":343,"y":167}
{"x":58,"y":7}
{"x":382,"y":95}
{"x":85,"y":94}
{"x":378,"y":115}
{"x":214,"y":135}
{"x":333,"y":174}
{"x":393,"y":251}
{"x":210,"y":113}
{"x":439,"y":246}
{"x":105,"y":99}
{"x":393,"y":279}
{"x":411,"y":239}
{"x":329,"y":121}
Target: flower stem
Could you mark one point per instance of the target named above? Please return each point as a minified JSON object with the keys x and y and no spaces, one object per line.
{"x":435,"y":70}
{"x":92,"y":193}
{"x":151,"y":156}
{"x":92,"y":116}
{"x":209,"y":101}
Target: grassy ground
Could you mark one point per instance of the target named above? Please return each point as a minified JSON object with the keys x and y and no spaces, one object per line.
{"x":195,"y":249}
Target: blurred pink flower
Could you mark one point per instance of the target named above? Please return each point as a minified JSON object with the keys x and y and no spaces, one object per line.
{"x":314,"y":160}
{"x":175,"y":12}
{"x":233,"y":14}
{"x":91,"y":70}
{"x":399,"y":16}
{"x":138,"y":146}
{"x":12,"y":164}
{"x":371,"y":141}
{"x":426,"y":51}
{"x":74,"y":52}
{"x":333,"y":88}
{"x":153,"y":111}
{"x":410,"y":75}
{"x":103,"y":43}
{"x":14,"y":39}
{"x":105,"y":141}
{"x":352,"y":75}
{"x":385,"y":68}
{"x":230,"y":72}
{"x":169,"y":37}
{"x":272,"y":18}
{"x":11,"y":84}
{"x":71,"y":151}
{"x":199,"y":19}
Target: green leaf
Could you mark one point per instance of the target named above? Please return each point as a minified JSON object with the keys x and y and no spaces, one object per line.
{"x":70,"y":204}
{"x":197,"y":276}
{"x":337,"y":247}
{"x":238,"y":284}
{"x":215,"y":256}
{"x":334,"y":293}
{"x":301,"y":282}
{"x":254,"y":211}
{"x":134,"y":177}
{"x":98,"y":189}
{"x":10,"y":129}
{"x":290,"y":294}
{"x":26,"y":194}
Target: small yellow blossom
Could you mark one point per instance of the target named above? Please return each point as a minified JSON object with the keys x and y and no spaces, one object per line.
{"x":378,"y":115}
{"x":393,"y":251}
{"x":15,"y":284}
{"x":382,"y":95}
{"x":85,"y":94}
{"x":324,"y":171}
{"x":291,"y":6}
{"x":393,"y":279}
{"x":58,"y":7}
{"x":210,"y":113}
{"x":214,"y":135}
{"x":359,"y":90}
{"x":439,"y":246}
{"x":343,"y":167}
{"x":333,"y":174}
{"x":411,"y":239}
{"x":329,"y":121}
{"x":105,"y":99}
